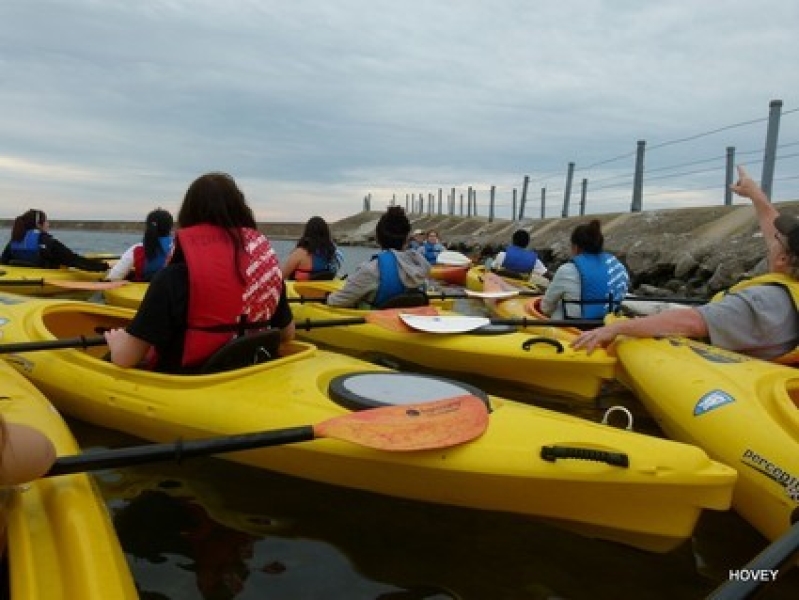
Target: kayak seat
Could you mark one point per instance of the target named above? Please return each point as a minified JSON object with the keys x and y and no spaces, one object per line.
{"x":510,"y":274}
{"x":244,"y":351}
{"x":408,"y":299}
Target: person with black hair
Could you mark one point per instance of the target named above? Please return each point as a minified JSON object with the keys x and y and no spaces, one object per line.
{"x":31,"y":245}
{"x":591,"y":284}
{"x":516,"y":260}
{"x":394,"y":271}
{"x":315,"y":256}
{"x":758,"y":317}
{"x":142,"y":261}
{"x":223,"y":272}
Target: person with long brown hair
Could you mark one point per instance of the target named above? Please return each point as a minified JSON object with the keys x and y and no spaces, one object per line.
{"x":316,"y":256}
{"x":32,"y":245}
{"x":223,"y":271}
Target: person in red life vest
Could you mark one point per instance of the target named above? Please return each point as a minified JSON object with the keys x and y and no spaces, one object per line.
{"x":316,"y":256}
{"x":142,"y":261}
{"x":223,"y":271}
{"x":32,"y":245}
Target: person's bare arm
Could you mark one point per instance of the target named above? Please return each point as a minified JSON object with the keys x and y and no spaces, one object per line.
{"x":688,"y":323}
{"x":126,"y":350}
{"x":293,"y":261}
{"x":27,"y":454}
{"x":765,"y":211}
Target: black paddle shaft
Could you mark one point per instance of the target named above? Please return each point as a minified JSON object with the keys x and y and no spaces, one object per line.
{"x":137,"y":455}
{"x":78,"y":342}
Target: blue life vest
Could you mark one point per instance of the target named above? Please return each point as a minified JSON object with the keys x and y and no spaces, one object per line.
{"x":321,"y":267}
{"x":28,"y":250}
{"x":518,"y":259}
{"x":390,"y":284}
{"x":602,"y":276}
{"x":143,"y":268}
{"x":431,"y":252}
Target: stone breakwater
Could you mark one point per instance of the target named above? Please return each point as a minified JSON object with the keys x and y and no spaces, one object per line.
{"x":689,"y":252}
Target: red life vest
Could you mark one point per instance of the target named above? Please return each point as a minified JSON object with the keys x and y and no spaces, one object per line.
{"x":217,"y":295}
{"x":139,"y":263}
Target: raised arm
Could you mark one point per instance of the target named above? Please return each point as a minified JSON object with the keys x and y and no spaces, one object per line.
{"x":764,"y":209}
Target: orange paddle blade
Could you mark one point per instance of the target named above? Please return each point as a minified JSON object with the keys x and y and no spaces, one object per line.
{"x":494,"y":283}
{"x":422,"y":426}
{"x":89,"y":286}
{"x":389,"y":318}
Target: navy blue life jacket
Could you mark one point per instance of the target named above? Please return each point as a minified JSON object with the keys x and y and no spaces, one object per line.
{"x":28,"y":250}
{"x":431,"y":252}
{"x":519,"y":259}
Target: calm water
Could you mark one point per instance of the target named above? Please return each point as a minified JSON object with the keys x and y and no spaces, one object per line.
{"x":214,"y":530}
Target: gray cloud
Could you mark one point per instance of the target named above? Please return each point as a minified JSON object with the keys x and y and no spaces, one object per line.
{"x":109,"y":107}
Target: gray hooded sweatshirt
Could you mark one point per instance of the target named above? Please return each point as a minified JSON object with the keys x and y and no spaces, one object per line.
{"x":361,"y":286}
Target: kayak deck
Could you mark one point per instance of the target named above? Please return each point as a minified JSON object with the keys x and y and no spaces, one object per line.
{"x":530,"y":461}
{"x":61,"y":543}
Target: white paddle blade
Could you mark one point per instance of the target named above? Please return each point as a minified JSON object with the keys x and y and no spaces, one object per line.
{"x":453,"y":259}
{"x":497,"y":295}
{"x":444,"y":323}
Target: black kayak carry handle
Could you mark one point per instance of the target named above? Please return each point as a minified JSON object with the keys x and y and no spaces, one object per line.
{"x":553,"y":453}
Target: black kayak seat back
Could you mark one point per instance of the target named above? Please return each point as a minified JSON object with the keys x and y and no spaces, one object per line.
{"x":244,"y":351}
{"x":409,"y":299}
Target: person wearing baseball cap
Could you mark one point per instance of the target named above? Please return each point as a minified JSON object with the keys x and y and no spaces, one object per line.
{"x":417,"y":239}
{"x":758,"y":317}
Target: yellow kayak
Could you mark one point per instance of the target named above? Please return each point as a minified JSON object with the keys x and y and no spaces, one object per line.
{"x":742,"y":411}
{"x":32,"y":281}
{"x":636,"y":489}
{"x":129,"y":295}
{"x":521,"y":305}
{"x":61,"y":543}
{"x":535,"y":359}
{"x":475,"y":279}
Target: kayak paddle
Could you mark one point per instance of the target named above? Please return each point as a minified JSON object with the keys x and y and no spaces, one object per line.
{"x":397,"y":428}
{"x":89,"y":286}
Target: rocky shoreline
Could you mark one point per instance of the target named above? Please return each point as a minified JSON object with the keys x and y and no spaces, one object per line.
{"x":689,"y":252}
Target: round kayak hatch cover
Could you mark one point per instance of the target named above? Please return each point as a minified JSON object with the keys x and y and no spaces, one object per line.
{"x":358,"y":391}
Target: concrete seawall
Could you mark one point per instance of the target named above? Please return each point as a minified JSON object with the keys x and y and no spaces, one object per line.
{"x":690,"y":251}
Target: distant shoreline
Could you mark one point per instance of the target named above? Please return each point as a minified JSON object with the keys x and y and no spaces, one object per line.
{"x":289,"y":231}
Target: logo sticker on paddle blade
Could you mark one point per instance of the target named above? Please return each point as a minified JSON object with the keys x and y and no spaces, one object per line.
{"x":711,"y":401}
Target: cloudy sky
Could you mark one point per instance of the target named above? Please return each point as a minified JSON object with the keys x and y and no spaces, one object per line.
{"x":111,"y":107}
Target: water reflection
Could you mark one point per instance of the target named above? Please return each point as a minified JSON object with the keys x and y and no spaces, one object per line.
{"x":208,"y":529}
{"x":212,"y":529}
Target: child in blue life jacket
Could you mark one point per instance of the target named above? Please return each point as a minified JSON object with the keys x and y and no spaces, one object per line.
{"x":431,"y":247}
